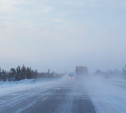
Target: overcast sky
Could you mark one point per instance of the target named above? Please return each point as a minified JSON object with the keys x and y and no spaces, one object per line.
{"x":61,"y":34}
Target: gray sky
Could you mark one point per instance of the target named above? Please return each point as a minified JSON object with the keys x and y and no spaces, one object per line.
{"x":61,"y":34}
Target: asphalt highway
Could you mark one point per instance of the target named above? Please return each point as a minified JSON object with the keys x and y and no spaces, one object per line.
{"x":65,"y":98}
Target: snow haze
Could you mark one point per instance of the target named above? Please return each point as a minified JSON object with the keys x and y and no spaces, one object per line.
{"x":63,"y":34}
{"x":107,"y":94}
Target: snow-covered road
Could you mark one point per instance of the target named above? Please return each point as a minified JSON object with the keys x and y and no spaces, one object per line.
{"x":105,"y":95}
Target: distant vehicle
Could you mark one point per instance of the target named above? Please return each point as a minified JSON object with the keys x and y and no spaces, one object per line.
{"x":81,"y":71}
{"x":71,"y":76}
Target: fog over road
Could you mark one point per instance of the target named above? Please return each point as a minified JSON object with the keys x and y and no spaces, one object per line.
{"x":67,"y":97}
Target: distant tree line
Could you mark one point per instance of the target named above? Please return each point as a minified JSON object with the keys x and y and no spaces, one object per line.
{"x":20,"y":73}
{"x":124,"y":70}
{"x":111,"y":73}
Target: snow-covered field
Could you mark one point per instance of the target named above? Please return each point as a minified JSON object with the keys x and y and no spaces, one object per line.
{"x":11,"y":87}
{"x":107,"y":95}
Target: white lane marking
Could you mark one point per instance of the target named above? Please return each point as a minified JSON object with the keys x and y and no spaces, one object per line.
{"x":44,"y":99}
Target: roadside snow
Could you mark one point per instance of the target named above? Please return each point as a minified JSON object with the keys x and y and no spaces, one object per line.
{"x":107,"y":95}
{"x":11,"y":87}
